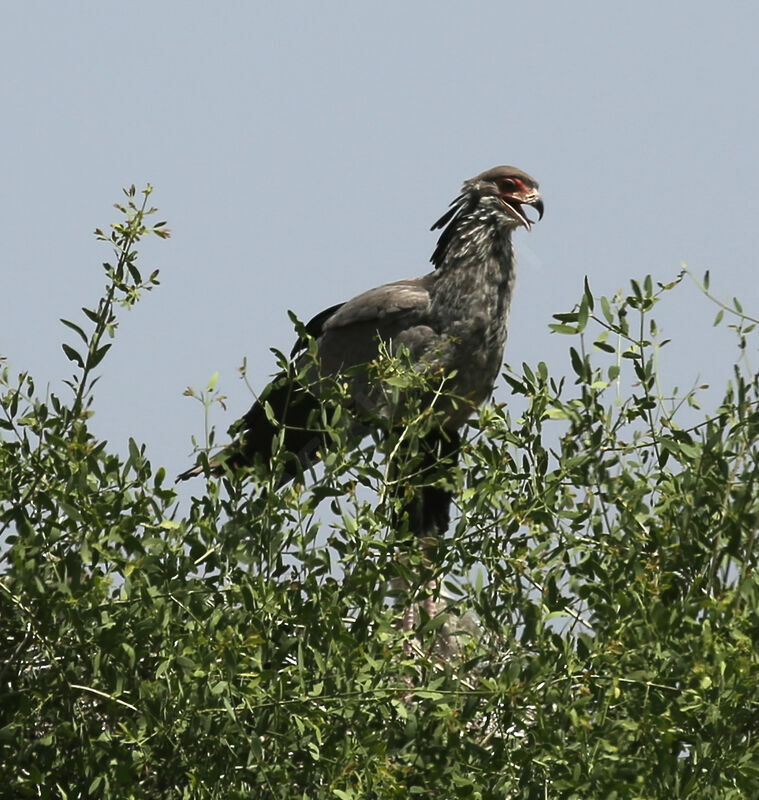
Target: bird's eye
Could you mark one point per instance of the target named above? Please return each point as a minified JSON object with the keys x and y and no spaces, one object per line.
{"x":506,"y":184}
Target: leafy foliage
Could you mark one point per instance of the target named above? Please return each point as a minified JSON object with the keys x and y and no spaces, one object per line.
{"x":598,"y":627}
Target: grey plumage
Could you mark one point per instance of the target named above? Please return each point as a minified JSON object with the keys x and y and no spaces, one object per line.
{"x":452,"y":319}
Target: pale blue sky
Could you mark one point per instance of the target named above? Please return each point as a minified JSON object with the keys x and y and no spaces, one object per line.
{"x":301,"y":150}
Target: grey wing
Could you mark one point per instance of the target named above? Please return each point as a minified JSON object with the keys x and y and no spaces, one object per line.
{"x":396,"y":313}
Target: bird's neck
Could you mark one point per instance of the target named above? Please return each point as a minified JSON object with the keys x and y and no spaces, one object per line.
{"x":476,"y":267}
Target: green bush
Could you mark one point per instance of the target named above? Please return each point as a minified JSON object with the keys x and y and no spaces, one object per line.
{"x":598,"y":632}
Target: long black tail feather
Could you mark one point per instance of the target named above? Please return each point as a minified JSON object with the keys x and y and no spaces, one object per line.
{"x":285,"y":407}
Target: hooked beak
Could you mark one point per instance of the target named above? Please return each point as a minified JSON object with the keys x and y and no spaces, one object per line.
{"x":514,"y":205}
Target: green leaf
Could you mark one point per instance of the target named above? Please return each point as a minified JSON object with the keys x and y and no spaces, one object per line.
{"x":72,"y":355}
{"x":75,"y":328}
{"x":577,"y":363}
{"x":582,"y":315}
{"x":587,"y":294}
{"x":90,"y":314}
{"x":565,"y":329}
{"x":606,"y":310}
{"x":97,"y":356}
{"x":135,"y":457}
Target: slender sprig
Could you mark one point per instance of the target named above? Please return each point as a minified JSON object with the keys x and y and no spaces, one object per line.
{"x":124,"y":287}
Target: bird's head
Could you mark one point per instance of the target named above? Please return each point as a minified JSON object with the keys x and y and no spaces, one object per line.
{"x":510,"y":188}
{"x":501,"y":189}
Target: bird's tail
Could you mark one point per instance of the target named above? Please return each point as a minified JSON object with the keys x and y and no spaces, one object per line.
{"x":285,"y":407}
{"x":190,"y":473}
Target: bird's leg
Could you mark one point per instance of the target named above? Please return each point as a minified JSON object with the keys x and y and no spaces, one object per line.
{"x":429,"y":517}
{"x":436,"y":512}
{"x":408,"y":622}
{"x":427,"y":543}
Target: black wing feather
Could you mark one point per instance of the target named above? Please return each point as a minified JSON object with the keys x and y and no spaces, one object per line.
{"x":314,"y":328}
